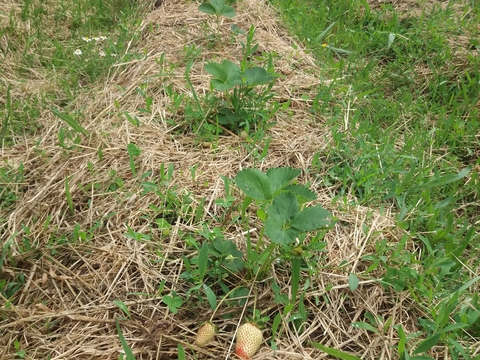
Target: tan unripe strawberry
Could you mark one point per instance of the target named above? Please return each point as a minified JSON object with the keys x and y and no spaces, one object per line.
{"x":205,"y":334}
{"x":249,"y":338}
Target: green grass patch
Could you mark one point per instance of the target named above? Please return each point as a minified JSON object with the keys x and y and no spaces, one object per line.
{"x":404,"y":116}
{"x":55,"y":49}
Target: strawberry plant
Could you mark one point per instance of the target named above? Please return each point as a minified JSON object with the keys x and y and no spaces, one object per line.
{"x":286,"y":218}
{"x":217,"y":8}
{"x":294,"y":229}
{"x":241,"y":93}
{"x":239,"y":105}
{"x":240,"y":96}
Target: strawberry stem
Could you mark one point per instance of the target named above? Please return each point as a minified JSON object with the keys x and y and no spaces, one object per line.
{"x":221,"y":301}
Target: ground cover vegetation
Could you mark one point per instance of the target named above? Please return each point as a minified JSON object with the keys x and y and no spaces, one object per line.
{"x":298,"y":177}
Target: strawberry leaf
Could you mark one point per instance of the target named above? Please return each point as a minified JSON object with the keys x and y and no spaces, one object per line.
{"x":228,"y":11}
{"x":278,"y":226}
{"x":303,"y":193}
{"x":279,"y":232}
{"x":280,"y":177}
{"x":225,"y":75}
{"x":254,"y":184}
{"x":257,"y":76}
{"x":207,"y":9}
{"x":283,"y":208}
{"x":311,"y":218}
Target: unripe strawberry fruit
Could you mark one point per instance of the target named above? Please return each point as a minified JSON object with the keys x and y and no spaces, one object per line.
{"x":205,"y":334}
{"x":249,"y":338}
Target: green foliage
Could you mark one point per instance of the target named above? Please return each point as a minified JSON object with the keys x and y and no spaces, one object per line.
{"x":68,"y":194}
{"x":217,"y":257}
{"x":240,"y":97}
{"x":409,"y":145}
{"x":128,"y":352}
{"x":241,"y":108}
{"x":70,"y":120}
{"x":18,"y":117}
{"x":336,"y":353}
{"x":403,"y":114}
{"x":219,"y":262}
{"x":217,"y":8}
{"x":20,"y":353}
{"x":11,"y":185}
{"x":9,"y":289}
{"x":225,"y":75}
{"x":121,"y":305}
{"x":181,"y":352}
{"x":285,"y":220}
{"x":353,"y":281}
{"x":133,"y":152}
{"x":173,"y":301}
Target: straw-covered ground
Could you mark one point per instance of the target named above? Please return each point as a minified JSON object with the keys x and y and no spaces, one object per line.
{"x":65,"y":308}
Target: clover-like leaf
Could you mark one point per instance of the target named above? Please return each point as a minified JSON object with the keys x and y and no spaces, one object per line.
{"x":226,"y":248}
{"x":353,"y":282}
{"x":225,"y":75}
{"x":226,"y":116}
{"x":133,"y":150}
{"x":236,"y":30}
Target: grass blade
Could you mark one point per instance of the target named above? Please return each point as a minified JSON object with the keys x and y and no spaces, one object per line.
{"x":334,"y":352}
{"x":70,"y":121}
{"x":203,"y":261}
{"x":122,"y":307}
{"x":68,"y":194}
{"x":181,"y":352}
{"x":446,"y":179}
{"x":427,"y":344}
{"x":295,"y":277}
{"x":324,"y":32}
{"x":126,"y":348}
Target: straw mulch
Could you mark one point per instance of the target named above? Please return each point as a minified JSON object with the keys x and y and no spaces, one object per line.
{"x":65,"y":308}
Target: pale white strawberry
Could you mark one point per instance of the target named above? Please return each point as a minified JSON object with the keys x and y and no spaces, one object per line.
{"x":248,"y":340}
{"x":205,"y":334}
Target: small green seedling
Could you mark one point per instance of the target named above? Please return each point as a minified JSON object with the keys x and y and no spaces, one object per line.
{"x":237,"y":87}
{"x":173,"y":301}
{"x":217,"y":8}
{"x":133,"y":151}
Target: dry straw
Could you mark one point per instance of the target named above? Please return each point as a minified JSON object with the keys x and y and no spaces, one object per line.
{"x":65,"y":309}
